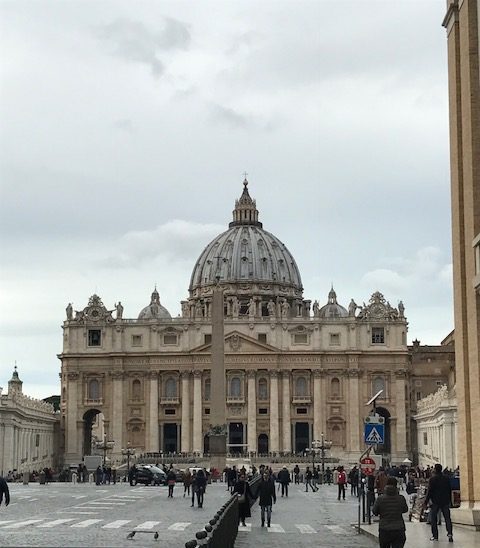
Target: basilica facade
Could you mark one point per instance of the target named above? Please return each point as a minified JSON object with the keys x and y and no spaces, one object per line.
{"x":294,"y":370}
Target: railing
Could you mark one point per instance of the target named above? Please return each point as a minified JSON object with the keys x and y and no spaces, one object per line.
{"x":301,"y":399}
{"x":235,"y":399}
{"x":221,"y":531}
{"x":169,"y":400}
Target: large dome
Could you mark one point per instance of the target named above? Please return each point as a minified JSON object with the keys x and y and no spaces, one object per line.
{"x":246,"y":256}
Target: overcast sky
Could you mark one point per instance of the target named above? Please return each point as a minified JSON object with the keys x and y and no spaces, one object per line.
{"x":127,"y":126}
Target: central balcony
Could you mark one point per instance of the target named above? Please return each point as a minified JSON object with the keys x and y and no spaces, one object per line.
{"x":235,"y":399}
{"x":169,"y":400}
{"x":301,"y":399}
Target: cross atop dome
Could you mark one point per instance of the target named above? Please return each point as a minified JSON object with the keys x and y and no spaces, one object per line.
{"x":245,"y":212}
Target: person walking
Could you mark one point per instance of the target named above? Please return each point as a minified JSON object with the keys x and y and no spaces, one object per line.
{"x":381,"y":480}
{"x":98,"y":475}
{"x":201,"y":483}
{"x":187,"y":482}
{"x":266,"y":497}
{"x":440,"y":494}
{"x":390,"y":506}
{"x":132,"y":475}
{"x":171,"y":479}
{"x":4,"y":491}
{"x":194,"y":487}
{"x":316,"y":477}
{"x":328,"y":475}
{"x":308,"y":480}
{"x":244,"y":495}
{"x":296,"y":474}
{"x":284,"y":479}
{"x":232,"y":478}
{"x":341,"y":482}
{"x":353,"y":480}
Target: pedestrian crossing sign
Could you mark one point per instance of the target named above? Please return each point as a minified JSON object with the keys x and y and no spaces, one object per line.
{"x":374,"y":434}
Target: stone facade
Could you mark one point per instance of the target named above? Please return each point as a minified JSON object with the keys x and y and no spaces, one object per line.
{"x":462,"y":24}
{"x":293,"y":370}
{"x":436,"y":422}
{"x":27,"y":431}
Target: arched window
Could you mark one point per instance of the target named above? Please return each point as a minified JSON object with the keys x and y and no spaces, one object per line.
{"x":378,"y":384}
{"x":263,"y":389}
{"x":208,"y":388}
{"x":336,"y":435}
{"x":136,"y":389}
{"x":335,"y":388}
{"x":171,"y":388}
{"x":94,"y":390}
{"x":301,"y":387}
{"x":235,"y":387}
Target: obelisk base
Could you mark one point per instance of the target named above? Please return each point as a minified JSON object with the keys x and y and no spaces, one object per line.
{"x":218,"y":451}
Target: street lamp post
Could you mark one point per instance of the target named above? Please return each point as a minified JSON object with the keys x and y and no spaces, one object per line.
{"x":321,"y":445}
{"x":128,"y":452}
{"x":104,"y":445}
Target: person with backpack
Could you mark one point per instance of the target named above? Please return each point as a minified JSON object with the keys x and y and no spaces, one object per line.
{"x":244,"y":496}
{"x":390,"y":506}
{"x":284,"y":479}
{"x":341,"y":482}
{"x":440,"y":494}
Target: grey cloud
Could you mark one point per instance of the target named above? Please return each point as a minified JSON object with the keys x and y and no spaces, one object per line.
{"x":229,"y":117}
{"x":135,"y":42}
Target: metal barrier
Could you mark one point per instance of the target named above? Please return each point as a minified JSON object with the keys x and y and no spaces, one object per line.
{"x":221,"y":531}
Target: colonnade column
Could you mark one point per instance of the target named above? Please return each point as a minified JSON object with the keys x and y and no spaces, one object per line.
{"x":72,"y":407}
{"x":197,"y":412}
{"x":354,"y":409}
{"x":153,"y":430}
{"x":185,"y":446}
{"x":274,"y":445}
{"x":401,"y":426}
{"x":317,"y":404}
{"x":287,"y":429}
{"x":117,"y":426}
{"x":252,"y":412}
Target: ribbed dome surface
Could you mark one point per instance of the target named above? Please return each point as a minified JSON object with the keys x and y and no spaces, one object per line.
{"x":246,"y":253}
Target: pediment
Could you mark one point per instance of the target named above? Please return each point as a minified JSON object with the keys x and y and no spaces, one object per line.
{"x":236,"y":342}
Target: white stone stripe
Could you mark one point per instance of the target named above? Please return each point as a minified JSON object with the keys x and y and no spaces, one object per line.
{"x":276,"y":528}
{"x":5,"y":522}
{"x":22,"y":524}
{"x":304,"y":528}
{"x":106,"y":503}
{"x":55,"y":522}
{"x":116,"y":524}
{"x":76,"y":512}
{"x":147,"y":525}
{"x":87,"y":523}
{"x":336,"y":529}
{"x":179,"y":526}
{"x":246,"y":529}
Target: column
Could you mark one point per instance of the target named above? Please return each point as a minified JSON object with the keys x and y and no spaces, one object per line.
{"x":8,"y":448}
{"x":401,"y":427}
{"x":274,"y":445}
{"x":118,"y":420}
{"x":354,"y":410}
{"x":287,"y":430}
{"x":252,"y":412}
{"x":317,"y":404}
{"x":72,"y":407}
{"x":153,"y":441}
{"x":185,"y":446}
{"x":197,"y":412}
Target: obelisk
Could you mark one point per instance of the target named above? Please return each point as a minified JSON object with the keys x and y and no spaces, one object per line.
{"x":218,"y":433}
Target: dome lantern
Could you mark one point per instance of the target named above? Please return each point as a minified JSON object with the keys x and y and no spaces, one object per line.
{"x":245,"y":212}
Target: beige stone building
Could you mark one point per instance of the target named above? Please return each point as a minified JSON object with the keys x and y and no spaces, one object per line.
{"x":462,"y":24}
{"x":27,"y":431}
{"x":294,"y":370}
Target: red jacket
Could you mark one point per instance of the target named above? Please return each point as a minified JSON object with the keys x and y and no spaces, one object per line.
{"x":342,"y":477}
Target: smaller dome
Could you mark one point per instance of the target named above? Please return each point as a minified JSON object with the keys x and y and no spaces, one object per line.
{"x":155,"y":311}
{"x":332,"y":309}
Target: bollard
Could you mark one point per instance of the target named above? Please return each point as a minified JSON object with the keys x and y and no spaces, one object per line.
{"x":25,"y":478}
{"x":191,"y":544}
{"x":202,"y":538}
{"x":74,"y":478}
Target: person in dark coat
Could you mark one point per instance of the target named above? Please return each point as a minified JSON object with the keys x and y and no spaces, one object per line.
{"x":98,"y":475}
{"x":284,"y":479}
{"x":440,"y":494}
{"x":132,"y":475}
{"x":171,"y":480}
{"x":296,"y":473}
{"x":390,"y":506}
{"x":243,"y":489}
{"x":267,"y":497}
{"x":4,"y":491}
{"x":201,"y":486}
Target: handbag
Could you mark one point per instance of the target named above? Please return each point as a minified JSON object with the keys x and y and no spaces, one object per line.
{"x":242,"y":499}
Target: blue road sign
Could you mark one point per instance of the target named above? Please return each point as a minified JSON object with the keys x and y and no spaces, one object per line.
{"x":374,"y":433}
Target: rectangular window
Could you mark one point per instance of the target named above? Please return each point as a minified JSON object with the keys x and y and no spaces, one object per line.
{"x":207,"y":410}
{"x":170,"y":411}
{"x":419,"y":396}
{"x":136,"y":340}
{"x":37,"y":440}
{"x":300,"y":338}
{"x":263,"y":411}
{"x":94,"y":337}
{"x":425,"y":439}
{"x":207,"y":339}
{"x":418,"y":383}
{"x":440,"y":383}
{"x":301,"y":410}
{"x":170,"y":338}
{"x":262,"y":337}
{"x":378,"y":335}
{"x":334,"y":339}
